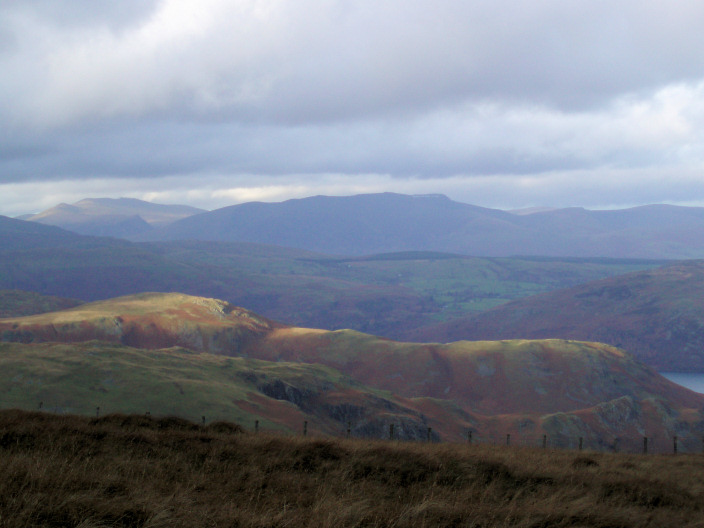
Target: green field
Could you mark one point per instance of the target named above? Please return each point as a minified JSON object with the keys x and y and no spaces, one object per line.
{"x":383,"y":294}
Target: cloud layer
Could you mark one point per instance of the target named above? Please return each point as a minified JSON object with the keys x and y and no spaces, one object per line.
{"x":270,"y":97}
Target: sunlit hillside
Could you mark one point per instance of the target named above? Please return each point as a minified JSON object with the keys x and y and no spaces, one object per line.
{"x":193,"y":356}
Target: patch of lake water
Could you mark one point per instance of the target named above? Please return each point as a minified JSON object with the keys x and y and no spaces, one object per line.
{"x":693,"y":381}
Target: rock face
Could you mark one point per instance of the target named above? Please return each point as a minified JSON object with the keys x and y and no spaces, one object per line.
{"x":566,"y":388}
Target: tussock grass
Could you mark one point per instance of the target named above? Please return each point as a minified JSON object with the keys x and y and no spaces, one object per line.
{"x":127,"y":470}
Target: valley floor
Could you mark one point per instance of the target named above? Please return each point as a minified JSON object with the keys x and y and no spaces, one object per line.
{"x":124,"y":470}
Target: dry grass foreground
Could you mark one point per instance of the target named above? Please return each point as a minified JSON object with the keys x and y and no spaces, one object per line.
{"x":127,"y":470}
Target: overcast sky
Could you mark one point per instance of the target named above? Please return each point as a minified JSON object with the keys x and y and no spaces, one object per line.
{"x":500,"y":103}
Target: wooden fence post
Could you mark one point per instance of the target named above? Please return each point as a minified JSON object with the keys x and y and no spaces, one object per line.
{"x":545,"y":441}
{"x":391,"y":431}
{"x":41,"y":404}
{"x":97,"y":412}
{"x":469,"y":437}
{"x":645,"y":445}
{"x":305,"y":428}
{"x":349,"y":429}
{"x":256,"y":426}
{"x":203,"y":419}
{"x":430,"y":432}
{"x":508,"y":439}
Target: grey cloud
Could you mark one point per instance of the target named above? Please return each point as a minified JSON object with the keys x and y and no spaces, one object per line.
{"x":309,"y":63}
{"x":421,"y":92}
{"x":464,"y":140}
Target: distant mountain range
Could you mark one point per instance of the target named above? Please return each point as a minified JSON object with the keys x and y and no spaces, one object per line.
{"x":387,"y":222}
{"x":122,"y":217}
{"x":377,"y":223}
{"x":159,"y":348}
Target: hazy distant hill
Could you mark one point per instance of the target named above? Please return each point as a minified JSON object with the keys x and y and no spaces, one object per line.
{"x":354,"y":225}
{"x":23,"y":235}
{"x":53,"y":261}
{"x":565,"y":387}
{"x":121,"y":217}
{"x":657,"y":315}
{"x":376,"y":223}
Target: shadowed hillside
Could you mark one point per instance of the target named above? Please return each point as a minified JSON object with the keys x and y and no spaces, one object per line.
{"x":14,"y":303}
{"x":385,"y":294}
{"x":657,"y":315}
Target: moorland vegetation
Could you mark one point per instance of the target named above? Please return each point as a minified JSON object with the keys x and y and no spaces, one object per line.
{"x":139,"y":471}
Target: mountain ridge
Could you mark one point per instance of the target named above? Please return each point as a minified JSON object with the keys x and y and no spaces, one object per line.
{"x":390,"y":222}
{"x":529,"y":382}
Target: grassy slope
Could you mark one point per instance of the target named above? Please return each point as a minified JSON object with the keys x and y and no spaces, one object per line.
{"x":78,"y":378}
{"x":151,"y":320}
{"x":129,"y":471}
{"x":453,"y":386}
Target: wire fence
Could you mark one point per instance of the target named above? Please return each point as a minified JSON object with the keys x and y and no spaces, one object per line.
{"x":661,"y":443}
{"x":655,"y":444}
